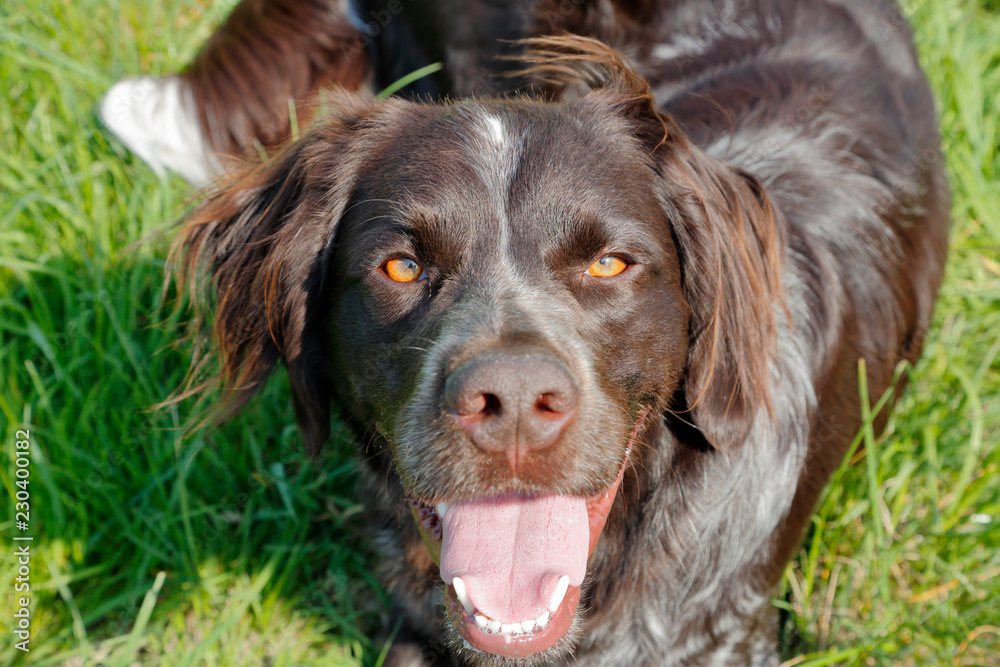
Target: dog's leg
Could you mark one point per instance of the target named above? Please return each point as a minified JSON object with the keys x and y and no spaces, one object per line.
{"x":265,"y":62}
{"x":157,"y":120}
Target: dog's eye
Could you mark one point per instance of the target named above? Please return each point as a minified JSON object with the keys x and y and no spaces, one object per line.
{"x":404,"y":270}
{"x":607,"y":266}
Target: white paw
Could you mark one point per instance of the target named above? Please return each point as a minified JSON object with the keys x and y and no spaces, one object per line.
{"x":156,"y":119}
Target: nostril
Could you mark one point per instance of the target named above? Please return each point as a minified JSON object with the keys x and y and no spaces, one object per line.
{"x":554,"y":404}
{"x":544,"y":404}
{"x":478,"y":406}
{"x":491,"y":405}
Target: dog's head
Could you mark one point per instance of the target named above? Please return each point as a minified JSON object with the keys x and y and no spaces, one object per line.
{"x":505,"y":294}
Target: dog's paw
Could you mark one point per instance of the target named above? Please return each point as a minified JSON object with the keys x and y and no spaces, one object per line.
{"x":156,"y":119}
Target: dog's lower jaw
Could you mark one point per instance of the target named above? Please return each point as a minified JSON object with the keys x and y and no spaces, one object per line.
{"x":562,"y":649}
{"x":516,"y":649}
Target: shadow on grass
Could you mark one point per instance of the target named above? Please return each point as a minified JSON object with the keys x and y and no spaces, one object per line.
{"x":264,"y":550}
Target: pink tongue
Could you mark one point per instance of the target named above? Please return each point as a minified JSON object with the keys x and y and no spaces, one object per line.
{"x":511,"y":551}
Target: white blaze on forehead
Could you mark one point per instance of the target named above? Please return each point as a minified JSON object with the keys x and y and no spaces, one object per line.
{"x":490,"y":139}
{"x":496,"y":127}
{"x":493,"y":151}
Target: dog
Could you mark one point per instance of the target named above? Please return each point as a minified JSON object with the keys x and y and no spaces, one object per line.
{"x":600,"y":337}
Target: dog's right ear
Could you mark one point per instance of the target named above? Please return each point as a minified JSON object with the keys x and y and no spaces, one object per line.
{"x":263,"y":235}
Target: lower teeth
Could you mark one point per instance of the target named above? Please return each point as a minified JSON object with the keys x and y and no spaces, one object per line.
{"x":498,"y":628}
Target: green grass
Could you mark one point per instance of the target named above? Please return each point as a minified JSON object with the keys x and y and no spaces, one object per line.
{"x":233,"y":548}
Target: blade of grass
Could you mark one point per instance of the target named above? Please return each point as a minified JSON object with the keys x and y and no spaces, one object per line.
{"x":415,"y":75}
{"x":142,"y":620}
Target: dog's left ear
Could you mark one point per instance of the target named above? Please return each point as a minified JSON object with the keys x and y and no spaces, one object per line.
{"x":725,"y":228}
{"x":264,"y":235}
{"x":731,"y":266}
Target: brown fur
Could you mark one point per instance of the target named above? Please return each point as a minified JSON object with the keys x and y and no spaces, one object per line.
{"x":269,"y":58}
{"x":785,"y":221}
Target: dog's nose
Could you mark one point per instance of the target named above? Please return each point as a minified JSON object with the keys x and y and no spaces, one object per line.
{"x":512,"y":403}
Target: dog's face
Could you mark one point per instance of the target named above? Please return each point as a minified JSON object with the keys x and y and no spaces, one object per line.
{"x":502,"y":294}
{"x":506,"y":299}
{"x":506,"y":306}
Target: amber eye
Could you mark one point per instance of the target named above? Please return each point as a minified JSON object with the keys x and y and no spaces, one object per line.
{"x":607,"y":266}
{"x":403,"y":270}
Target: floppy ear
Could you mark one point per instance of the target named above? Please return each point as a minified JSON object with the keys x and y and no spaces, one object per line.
{"x":264,"y":235}
{"x":725,"y":228}
{"x":731,"y":266}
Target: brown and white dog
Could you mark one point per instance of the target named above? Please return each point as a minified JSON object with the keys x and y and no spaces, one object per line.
{"x":601,"y":337}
